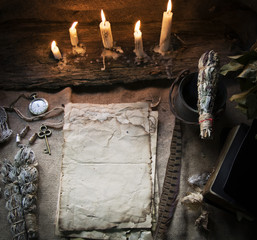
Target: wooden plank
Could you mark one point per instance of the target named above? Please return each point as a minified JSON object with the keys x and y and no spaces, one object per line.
{"x":27,"y":62}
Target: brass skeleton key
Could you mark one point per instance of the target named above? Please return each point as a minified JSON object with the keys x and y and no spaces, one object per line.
{"x":44,"y":133}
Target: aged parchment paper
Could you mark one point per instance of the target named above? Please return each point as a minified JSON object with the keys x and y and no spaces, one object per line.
{"x":107,"y":169}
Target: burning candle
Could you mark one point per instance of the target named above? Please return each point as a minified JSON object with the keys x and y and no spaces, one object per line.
{"x":138,"y":41}
{"x":166,"y":29}
{"x":56,"y":51}
{"x":106,"y":33}
{"x":73,"y":34}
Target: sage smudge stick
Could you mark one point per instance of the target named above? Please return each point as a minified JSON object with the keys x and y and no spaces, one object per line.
{"x":21,"y":183}
{"x":208,"y":76}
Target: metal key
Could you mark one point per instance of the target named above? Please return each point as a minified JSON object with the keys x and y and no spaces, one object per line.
{"x":44,"y":133}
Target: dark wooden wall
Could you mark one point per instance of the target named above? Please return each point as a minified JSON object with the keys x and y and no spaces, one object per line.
{"x":116,"y":10}
{"x":28,"y":27}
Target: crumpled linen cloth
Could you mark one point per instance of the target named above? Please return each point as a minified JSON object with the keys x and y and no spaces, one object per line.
{"x":107,"y":187}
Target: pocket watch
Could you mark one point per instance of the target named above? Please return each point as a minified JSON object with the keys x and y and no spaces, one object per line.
{"x":38,"y":105}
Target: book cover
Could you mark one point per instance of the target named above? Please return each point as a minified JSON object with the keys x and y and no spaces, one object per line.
{"x":231,"y":185}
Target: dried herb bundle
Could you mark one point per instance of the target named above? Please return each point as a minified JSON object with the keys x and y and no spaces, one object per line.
{"x":5,"y":131}
{"x":20,"y":181}
{"x":207,"y":87}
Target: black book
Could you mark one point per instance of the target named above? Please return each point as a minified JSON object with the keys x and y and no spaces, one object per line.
{"x":233,"y":183}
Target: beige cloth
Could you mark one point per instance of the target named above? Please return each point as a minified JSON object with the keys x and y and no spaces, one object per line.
{"x":107,"y":170}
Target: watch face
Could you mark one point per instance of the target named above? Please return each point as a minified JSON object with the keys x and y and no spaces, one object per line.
{"x":38,"y":106}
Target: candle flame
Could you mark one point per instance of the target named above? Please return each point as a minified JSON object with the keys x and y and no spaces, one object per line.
{"x":103,"y":17}
{"x":137,"y":26}
{"x":53,"y":45}
{"x":74,"y":25}
{"x":169,"y":6}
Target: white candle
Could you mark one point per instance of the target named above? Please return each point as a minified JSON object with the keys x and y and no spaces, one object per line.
{"x":56,"y":51}
{"x":166,"y":29}
{"x":106,"y":33}
{"x":73,"y":34}
{"x":138,"y":41}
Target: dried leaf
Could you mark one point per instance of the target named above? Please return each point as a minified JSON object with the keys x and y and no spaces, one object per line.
{"x":243,"y":94}
{"x":249,"y":71}
{"x":247,"y":99}
{"x":245,"y":58}
{"x":241,"y":101}
{"x":238,"y":96}
{"x":231,"y":67}
{"x":236,"y":56}
{"x":251,"y":104}
{"x":242,"y":108}
{"x":247,"y":102}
